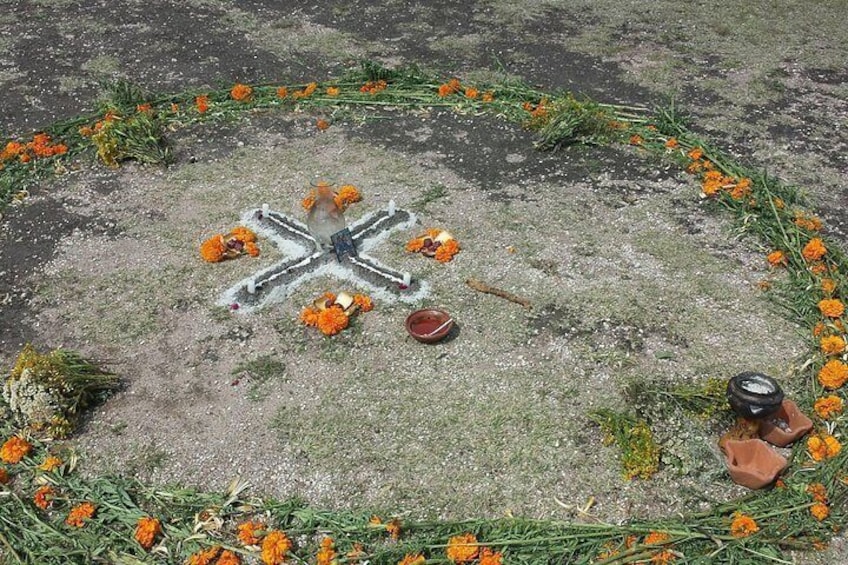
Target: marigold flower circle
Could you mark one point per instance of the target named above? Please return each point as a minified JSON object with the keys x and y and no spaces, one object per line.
{"x":831,"y":307}
{"x":275,"y":548}
{"x":828,"y":406}
{"x":834,"y":374}
{"x":462,"y":548}
{"x":146,"y":531}
{"x":743,"y":526}
{"x":15,"y":449}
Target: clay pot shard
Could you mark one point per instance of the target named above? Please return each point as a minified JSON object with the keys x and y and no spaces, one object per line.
{"x":785,"y":426}
{"x":752,"y":463}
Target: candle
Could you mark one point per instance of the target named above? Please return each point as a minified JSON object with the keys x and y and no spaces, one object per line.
{"x":265,"y":209}
{"x":407,"y":279}
{"x":391,"y":207}
{"x":251,"y":287}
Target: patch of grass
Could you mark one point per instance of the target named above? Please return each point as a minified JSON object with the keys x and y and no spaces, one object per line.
{"x":640,"y":455}
{"x":260,"y":372}
{"x":430,"y":195}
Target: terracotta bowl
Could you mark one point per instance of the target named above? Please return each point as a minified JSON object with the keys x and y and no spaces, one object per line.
{"x":752,"y":463}
{"x":422,"y":325}
{"x":796,"y":425}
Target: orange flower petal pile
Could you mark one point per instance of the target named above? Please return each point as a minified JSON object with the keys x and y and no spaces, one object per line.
{"x":239,"y":241}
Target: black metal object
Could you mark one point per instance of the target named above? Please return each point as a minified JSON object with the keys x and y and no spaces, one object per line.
{"x":754,"y":395}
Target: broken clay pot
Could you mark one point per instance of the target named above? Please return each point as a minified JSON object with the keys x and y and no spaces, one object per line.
{"x":796,"y":426}
{"x":753,"y":463}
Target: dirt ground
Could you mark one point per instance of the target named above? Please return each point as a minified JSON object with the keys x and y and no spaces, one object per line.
{"x":631,"y":276}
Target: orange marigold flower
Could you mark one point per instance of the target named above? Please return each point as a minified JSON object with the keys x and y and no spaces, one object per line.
{"x":25,"y":158}
{"x":322,"y":124}
{"x":333,"y":91}
{"x":309,"y":316}
{"x":462,"y":548}
{"x":50,"y":463}
{"x":243,"y":234}
{"x":489,"y":557}
{"x":834,"y":374}
{"x":489,"y":97}
{"x":175,"y":107}
{"x":832,"y":308}
{"x":819,"y":511}
{"x":818,"y":491}
{"x":228,"y":557}
{"x":636,"y":139}
{"x":241,"y":92}
{"x":828,"y":406}
{"x":696,"y":153}
{"x":144,"y":107}
{"x":393,"y":528}
{"x":15,"y":449}
{"x":4,"y":476}
{"x":415,"y":245}
{"x":282,"y":92}
{"x":347,"y":195}
{"x":672,"y":143}
{"x":204,"y":556}
{"x":656,"y":538}
{"x":445,"y":90}
{"x":310,"y":89}
{"x":814,"y":250}
{"x":373,"y":87}
{"x":275,"y":547}
{"x":743,"y":526}
{"x":146,"y":531}
{"x":828,"y":286}
{"x":332,"y":320}
{"x":44,"y":496}
{"x":309,"y":201}
{"x":412,"y":559}
{"x":375,"y":521}
{"x":806,"y":222}
{"x":79,"y":514}
{"x":327,"y":552}
{"x":776,"y":258}
{"x":251,"y":249}
{"x":364,"y":302}
{"x":779,"y":203}
{"x":447,"y":250}
{"x":741,"y":189}
{"x":248,"y":532}
{"x":213,"y":249}
{"x":818,"y":268}
{"x":471,"y":92}
{"x":355,"y":554}
{"x":832,"y":345}
{"x":823,"y":446}
{"x":202,"y":104}
{"x":86,"y":131}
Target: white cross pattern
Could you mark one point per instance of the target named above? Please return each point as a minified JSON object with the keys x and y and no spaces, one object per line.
{"x":305,"y":260}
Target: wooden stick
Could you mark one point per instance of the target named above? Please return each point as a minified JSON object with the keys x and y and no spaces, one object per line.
{"x":483,"y":287}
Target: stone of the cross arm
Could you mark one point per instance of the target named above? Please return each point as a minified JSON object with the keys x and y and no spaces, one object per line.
{"x":304,"y":259}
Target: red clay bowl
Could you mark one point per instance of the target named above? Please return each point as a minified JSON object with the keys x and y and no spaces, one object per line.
{"x":422,"y":323}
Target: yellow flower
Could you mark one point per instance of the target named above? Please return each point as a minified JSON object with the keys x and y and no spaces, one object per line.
{"x":50,"y":463}
{"x":489,"y":97}
{"x":823,"y":446}
{"x":834,"y":374}
{"x":393,"y":528}
{"x":333,"y":91}
{"x":462,"y":548}
{"x":275,"y":547}
{"x":828,"y":406}
{"x":832,"y":308}
{"x":819,"y":511}
{"x":15,"y":449}
{"x":743,"y":526}
{"x":146,"y":531}
{"x":818,"y":491}
{"x":80,"y":514}
{"x":832,"y":345}
{"x":814,"y":250}
{"x":828,"y":286}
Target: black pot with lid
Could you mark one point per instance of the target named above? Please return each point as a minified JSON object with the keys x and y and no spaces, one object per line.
{"x":754,"y":395}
